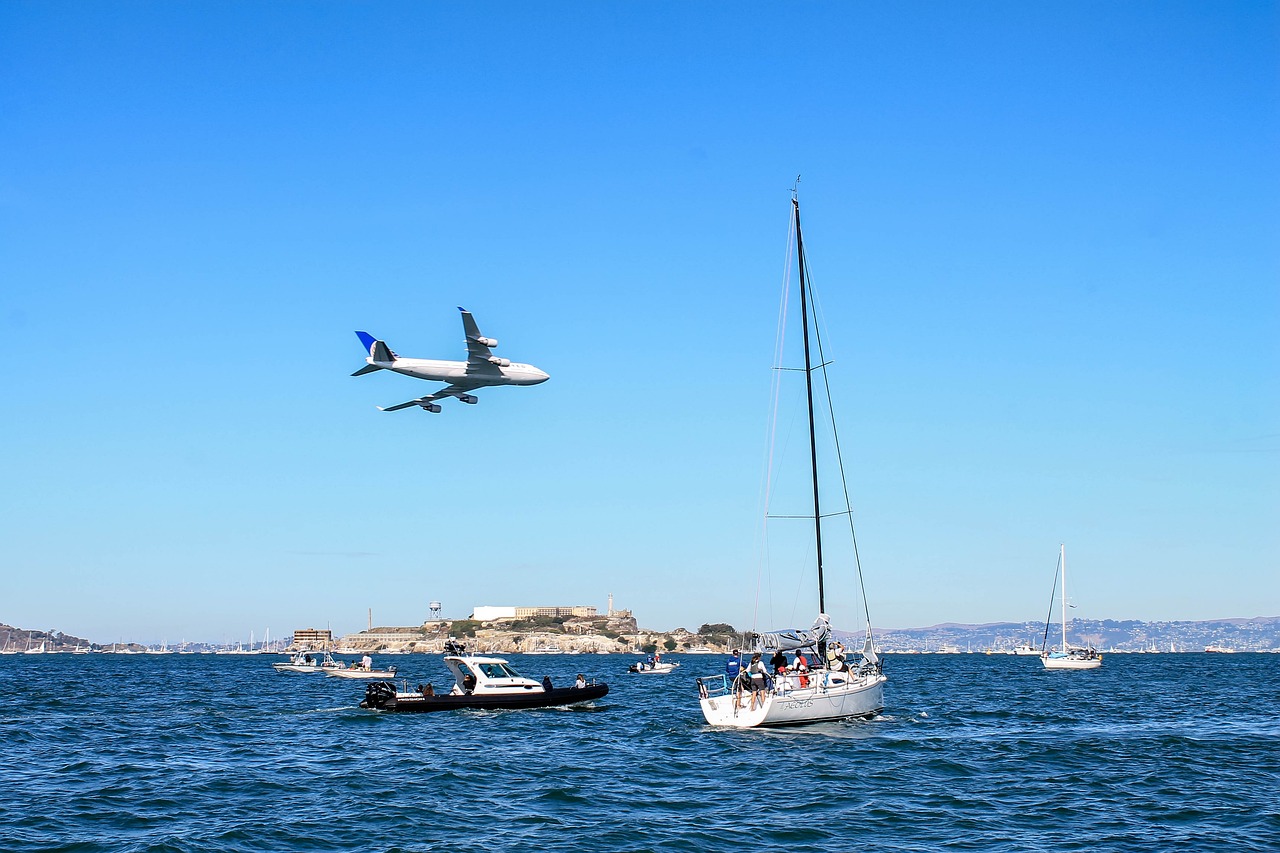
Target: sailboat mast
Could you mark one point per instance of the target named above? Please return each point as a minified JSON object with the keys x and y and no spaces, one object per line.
{"x":1062,"y":555}
{"x":808,"y":388}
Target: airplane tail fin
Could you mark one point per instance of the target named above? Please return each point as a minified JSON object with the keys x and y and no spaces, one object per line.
{"x":378,"y":351}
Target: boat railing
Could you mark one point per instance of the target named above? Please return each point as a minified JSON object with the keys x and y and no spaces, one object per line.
{"x":713,"y":685}
{"x":818,"y":679}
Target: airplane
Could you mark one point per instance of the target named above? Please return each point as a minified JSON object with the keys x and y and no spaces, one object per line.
{"x":481,"y":369}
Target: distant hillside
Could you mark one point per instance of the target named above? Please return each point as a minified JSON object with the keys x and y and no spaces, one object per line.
{"x":22,"y":639}
{"x":1260,"y":633}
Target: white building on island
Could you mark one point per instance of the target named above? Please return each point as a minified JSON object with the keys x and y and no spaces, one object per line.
{"x":488,"y":613}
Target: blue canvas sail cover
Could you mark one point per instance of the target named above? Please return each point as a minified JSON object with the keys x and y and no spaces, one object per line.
{"x":796,"y":638}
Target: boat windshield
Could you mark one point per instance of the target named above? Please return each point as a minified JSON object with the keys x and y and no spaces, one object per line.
{"x":497,"y":670}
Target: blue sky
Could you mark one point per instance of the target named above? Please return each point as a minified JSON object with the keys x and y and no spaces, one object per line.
{"x":1044,"y":237}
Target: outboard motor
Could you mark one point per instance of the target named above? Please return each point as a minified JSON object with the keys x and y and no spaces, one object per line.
{"x":377,"y":694}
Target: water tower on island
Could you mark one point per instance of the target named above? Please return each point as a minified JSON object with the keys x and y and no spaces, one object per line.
{"x":435,"y":610}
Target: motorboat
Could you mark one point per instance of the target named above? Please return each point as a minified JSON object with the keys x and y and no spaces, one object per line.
{"x":487,"y":683}
{"x":361,"y":670}
{"x":305,"y":661}
{"x":651,"y":667}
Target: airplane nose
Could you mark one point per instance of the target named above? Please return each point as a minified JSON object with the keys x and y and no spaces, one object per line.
{"x":542,"y":377}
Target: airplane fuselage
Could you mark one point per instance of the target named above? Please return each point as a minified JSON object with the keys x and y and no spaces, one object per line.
{"x":457,"y":372}
{"x":482,"y":369}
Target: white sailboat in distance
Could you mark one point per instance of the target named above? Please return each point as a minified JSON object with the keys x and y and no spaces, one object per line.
{"x":831,"y":688}
{"x":1066,"y":657}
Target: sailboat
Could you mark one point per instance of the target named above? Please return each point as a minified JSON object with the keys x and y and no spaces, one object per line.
{"x":832,"y":688}
{"x":1066,"y":657}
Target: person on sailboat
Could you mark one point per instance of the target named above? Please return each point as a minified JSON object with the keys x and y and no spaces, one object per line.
{"x":801,"y":667}
{"x":759,"y":677}
{"x":778,"y":661}
{"x":732,"y":667}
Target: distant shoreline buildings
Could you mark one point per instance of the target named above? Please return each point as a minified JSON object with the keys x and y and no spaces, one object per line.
{"x":583,"y":628}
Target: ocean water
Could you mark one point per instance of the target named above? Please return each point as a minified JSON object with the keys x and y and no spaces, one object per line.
{"x":973,"y":752}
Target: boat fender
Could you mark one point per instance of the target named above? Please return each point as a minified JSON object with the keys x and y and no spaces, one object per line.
{"x":702,"y":689}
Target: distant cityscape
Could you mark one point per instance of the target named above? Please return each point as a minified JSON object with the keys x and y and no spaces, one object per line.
{"x":577,"y":630}
{"x":1261,"y":634}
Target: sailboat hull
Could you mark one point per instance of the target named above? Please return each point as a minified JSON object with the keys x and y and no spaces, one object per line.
{"x":1068,"y":662}
{"x":830,"y":696}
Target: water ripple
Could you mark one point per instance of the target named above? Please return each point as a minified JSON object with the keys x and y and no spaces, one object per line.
{"x":194,"y":754}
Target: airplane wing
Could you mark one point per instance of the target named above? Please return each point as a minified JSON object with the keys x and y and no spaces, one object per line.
{"x":451,"y":391}
{"x":480,"y":357}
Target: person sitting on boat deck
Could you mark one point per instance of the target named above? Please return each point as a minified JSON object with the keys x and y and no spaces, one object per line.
{"x":581,"y":682}
{"x":468,"y":682}
{"x":801,"y":667}
{"x":778,"y":661}
{"x":835,"y":657}
{"x":366,"y":663}
{"x":427,"y":689}
{"x":307,"y":658}
{"x":546,"y":682}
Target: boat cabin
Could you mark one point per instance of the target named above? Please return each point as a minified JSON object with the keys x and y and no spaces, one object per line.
{"x":487,"y":676}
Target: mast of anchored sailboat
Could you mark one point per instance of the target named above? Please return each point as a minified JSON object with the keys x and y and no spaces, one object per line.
{"x":808,"y":388}
{"x":1062,"y":555}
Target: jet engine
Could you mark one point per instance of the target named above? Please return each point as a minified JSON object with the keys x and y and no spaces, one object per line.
{"x":434,"y":408}
{"x":487,"y":342}
{"x":501,"y":362}
{"x":467,"y":398}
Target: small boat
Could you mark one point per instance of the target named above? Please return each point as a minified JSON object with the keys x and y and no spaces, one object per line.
{"x":361,"y":670}
{"x":651,"y":667}
{"x":305,"y":661}
{"x":1024,"y":650}
{"x":486,"y":683}
{"x":548,"y":649}
{"x":699,"y":650}
{"x":1067,"y":657}
{"x":1220,"y":650}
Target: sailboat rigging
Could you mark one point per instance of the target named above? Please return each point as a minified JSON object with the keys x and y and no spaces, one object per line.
{"x":831,"y":687}
{"x":1066,"y":657}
